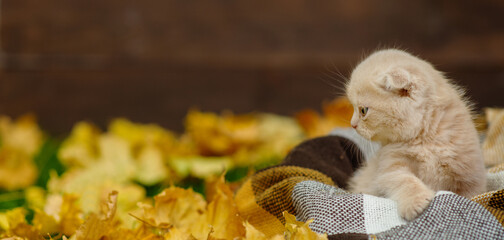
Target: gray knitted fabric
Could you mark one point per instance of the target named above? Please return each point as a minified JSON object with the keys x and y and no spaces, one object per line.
{"x":344,"y":215}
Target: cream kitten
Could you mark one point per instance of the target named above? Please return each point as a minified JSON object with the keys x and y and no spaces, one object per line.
{"x":429,"y":142}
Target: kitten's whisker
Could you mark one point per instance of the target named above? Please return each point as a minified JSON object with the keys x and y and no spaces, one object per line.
{"x":340,"y":89}
{"x":335,"y":90}
{"x":345,"y":120}
{"x":339,"y":74}
{"x":343,"y":79}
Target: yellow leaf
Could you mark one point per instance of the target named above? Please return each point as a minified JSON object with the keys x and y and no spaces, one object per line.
{"x":300,"y":230}
{"x":200,"y":167}
{"x":96,"y":226}
{"x":253,"y":234}
{"x":61,"y":214}
{"x":115,"y":167}
{"x":142,"y":232}
{"x":174,"y":207}
{"x":81,"y":147}
{"x":26,"y":231}
{"x":17,"y":169}
{"x":140,"y":134}
{"x":12,"y":218}
{"x":35,"y":197}
{"x":221,"y":135}
{"x":222,"y":213}
{"x":45,"y":223}
{"x":13,"y":238}
{"x":150,"y":166}
{"x":23,"y":135}
{"x":337,"y":113}
{"x":177,"y":234}
{"x":13,"y":224}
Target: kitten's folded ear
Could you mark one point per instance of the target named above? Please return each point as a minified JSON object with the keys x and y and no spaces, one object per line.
{"x":398,"y":81}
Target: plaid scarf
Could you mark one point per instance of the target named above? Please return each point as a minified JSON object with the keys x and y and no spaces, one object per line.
{"x":311,"y":182}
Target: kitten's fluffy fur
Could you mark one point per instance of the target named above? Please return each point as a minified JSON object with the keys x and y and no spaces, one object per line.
{"x":429,"y":142}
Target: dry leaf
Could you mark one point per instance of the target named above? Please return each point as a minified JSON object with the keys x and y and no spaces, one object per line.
{"x":253,"y":234}
{"x":300,"y":230}
{"x":174,"y":207}
{"x":175,"y":233}
{"x":80,"y":149}
{"x":97,"y":226}
{"x":23,"y":134}
{"x":19,"y":142}
{"x":150,"y":167}
{"x":17,"y":169}
{"x":13,"y":224}
{"x":337,"y":113}
{"x":222,"y":213}
{"x":200,"y":167}
{"x":141,"y":134}
{"x":61,"y":214}
{"x":12,"y":218}
{"x":220,"y":135}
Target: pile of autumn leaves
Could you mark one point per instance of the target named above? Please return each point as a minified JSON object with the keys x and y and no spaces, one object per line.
{"x":101,"y":190}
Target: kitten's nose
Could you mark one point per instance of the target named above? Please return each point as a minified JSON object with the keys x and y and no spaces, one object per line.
{"x":354,"y":126}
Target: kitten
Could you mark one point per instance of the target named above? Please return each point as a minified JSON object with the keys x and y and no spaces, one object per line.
{"x":429,"y":142}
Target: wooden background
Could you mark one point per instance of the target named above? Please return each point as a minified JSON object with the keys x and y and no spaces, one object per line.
{"x":150,"y":61}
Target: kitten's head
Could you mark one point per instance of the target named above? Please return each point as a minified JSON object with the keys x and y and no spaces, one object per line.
{"x":390,"y":93}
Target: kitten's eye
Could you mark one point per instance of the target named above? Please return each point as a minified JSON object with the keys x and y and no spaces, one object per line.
{"x":363,"y":111}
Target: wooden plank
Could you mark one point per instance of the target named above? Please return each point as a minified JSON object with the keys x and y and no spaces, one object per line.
{"x":150,"y":61}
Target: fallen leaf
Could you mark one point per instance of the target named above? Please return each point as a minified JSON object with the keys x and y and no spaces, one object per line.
{"x":174,"y":208}
{"x":222,"y":212}
{"x":96,"y":226}
{"x":253,"y":234}
{"x":300,"y":230}
{"x":336,"y":113}
{"x":61,"y":214}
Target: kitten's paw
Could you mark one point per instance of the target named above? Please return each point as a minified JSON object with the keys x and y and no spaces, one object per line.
{"x":412,"y":206}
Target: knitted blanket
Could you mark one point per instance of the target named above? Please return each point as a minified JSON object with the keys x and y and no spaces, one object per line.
{"x":311,"y":184}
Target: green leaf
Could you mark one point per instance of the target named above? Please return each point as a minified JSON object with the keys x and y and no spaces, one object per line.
{"x":197,"y":184}
{"x":13,"y":199}
{"x":47,"y":160}
{"x":153,"y":190}
{"x":236,"y":174}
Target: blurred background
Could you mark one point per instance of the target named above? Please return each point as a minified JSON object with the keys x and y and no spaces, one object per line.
{"x":151,"y":61}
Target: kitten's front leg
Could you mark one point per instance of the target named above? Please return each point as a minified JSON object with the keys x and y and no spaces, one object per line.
{"x":400,"y":184}
{"x":362,"y":181}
